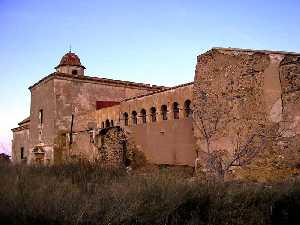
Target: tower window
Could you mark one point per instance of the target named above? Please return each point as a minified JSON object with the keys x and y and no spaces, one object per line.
{"x":74,"y":72}
{"x":41,"y":116}
{"x":22,"y":153}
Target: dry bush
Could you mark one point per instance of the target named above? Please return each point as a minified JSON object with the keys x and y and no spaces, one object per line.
{"x":90,"y":194}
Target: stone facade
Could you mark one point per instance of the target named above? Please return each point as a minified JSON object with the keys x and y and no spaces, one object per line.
{"x":20,"y":143}
{"x":245,"y":101}
{"x":57,"y":97}
{"x":239,"y":102}
{"x":165,"y":137}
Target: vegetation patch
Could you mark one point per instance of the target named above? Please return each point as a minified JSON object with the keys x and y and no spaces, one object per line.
{"x":87,"y":194}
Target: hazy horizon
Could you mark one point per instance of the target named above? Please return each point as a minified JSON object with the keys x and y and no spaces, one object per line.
{"x":154,"y":42}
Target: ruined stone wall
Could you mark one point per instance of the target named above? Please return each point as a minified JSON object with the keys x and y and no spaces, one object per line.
{"x":240,"y":93}
{"x":20,"y":140}
{"x":43,"y":98}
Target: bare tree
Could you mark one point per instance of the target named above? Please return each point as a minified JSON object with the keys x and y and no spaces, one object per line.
{"x":249,"y":136}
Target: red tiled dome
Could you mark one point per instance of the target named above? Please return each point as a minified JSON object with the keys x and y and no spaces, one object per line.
{"x":70,"y":59}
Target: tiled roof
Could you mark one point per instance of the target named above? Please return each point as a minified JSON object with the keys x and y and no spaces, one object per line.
{"x":70,"y":59}
{"x":24,"y":121}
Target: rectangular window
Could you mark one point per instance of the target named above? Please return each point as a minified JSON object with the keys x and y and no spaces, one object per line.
{"x":41,"y":116}
{"x":22,"y":152}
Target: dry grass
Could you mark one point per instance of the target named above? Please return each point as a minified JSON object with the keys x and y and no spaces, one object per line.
{"x":89,"y":194}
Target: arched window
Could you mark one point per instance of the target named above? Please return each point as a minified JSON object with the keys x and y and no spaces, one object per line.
{"x":112,"y":123}
{"x":176,"y":110}
{"x":164,"y":112}
{"x":153,"y":114}
{"x":125,"y":117}
{"x":143,"y":116}
{"x":187,"y":108}
{"x":107,"y":124}
{"x":134,"y":117}
{"x":103,"y":125}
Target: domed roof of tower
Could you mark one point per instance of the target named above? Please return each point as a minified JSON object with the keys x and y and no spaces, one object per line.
{"x":70,"y":59}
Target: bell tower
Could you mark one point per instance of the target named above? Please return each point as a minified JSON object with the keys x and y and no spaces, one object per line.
{"x":70,"y":64}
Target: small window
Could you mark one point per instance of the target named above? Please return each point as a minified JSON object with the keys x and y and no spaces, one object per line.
{"x":134,"y":117}
{"x":176,"y":111}
{"x":74,"y":72}
{"x":112,"y":123}
{"x":187,"y":108}
{"x":107,"y":124}
{"x":41,"y":116}
{"x":164,"y":112}
{"x":92,"y":137}
{"x":125,"y":117}
{"x":153,"y":114}
{"x":143,"y":116}
{"x":22,"y":153}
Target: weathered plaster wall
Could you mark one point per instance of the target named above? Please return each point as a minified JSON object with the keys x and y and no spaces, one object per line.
{"x":246,"y":90}
{"x":77,"y":97}
{"x":290,"y":84}
{"x":42,"y":97}
{"x":20,"y":140}
{"x":168,"y":141}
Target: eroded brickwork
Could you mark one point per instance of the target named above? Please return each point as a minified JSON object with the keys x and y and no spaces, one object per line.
{"x":242,"y":98}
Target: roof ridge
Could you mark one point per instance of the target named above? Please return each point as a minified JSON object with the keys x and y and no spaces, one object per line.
{"x":98,"y":79}
{"x":255,"y":50}
{"x":158,"y":91}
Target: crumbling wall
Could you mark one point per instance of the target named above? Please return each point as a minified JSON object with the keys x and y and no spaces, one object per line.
{"x":20,"y":140}
{"x":42,"y":98}
{"x":241,"y":94}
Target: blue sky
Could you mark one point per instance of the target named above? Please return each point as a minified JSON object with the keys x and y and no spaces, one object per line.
{"x":144,"y":41}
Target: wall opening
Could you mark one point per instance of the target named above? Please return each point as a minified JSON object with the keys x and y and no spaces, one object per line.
{"x":125,"y":117}
{"x":187,"y":108}
{"x":134,"y":117}
{"x":107,"y":124}
{"x":74,"y":72}
{"x":143,"y":116}
{"x":176,"y":110}
{"x":41,"y":116}
{"x":153,"y":114}
{"x":164,"y":112}
{"x":22,"y":153}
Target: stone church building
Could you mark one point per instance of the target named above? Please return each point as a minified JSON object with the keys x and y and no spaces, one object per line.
{"x":61,"y":98}
{"x":69,"y":109}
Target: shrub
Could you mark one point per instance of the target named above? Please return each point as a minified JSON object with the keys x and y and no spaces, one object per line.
{"x":89,"y":194}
